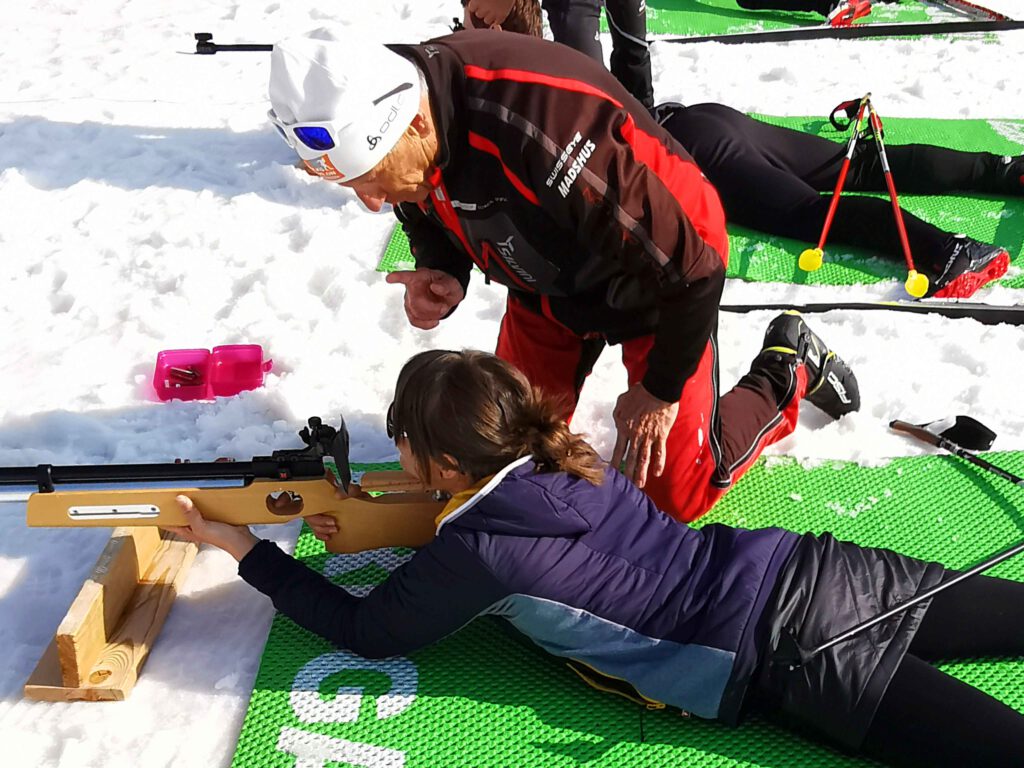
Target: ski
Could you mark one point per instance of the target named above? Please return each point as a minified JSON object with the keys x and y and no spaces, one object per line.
{"x":903,"y":29}
{"x":987,"y":314}
{"x":970,"y":9}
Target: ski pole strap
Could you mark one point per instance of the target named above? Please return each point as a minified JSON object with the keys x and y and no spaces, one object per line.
{"x":849,"y":108}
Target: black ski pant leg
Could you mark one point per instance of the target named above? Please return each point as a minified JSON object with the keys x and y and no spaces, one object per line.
{"x":576,"y":23}
{"x":631,"y":55}
{"x":869,"y":222}
{"x":814,"y":6}
{"x":919,"y":169}
{"x":761,"y":409}
{"x":750,"y":164}
{"x":980,"y":616}
{"x":929,"y":718}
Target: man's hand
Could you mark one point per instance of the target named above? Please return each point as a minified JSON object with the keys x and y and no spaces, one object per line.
{"x":430,"y":294}
{"x":236,"y":540}
{"x":490,"y":11}
{"x":642,"y":422}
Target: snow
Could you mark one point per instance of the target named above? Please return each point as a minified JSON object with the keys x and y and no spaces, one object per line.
{"x":147,"y":204}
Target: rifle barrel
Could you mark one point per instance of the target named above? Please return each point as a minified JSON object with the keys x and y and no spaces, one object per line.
{"x":45,"y":476}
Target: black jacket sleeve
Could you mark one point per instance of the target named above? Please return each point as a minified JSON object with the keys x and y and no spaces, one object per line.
{"x":443,"y":587}
{"x":430,"y":246}
{"x":675,"y":356}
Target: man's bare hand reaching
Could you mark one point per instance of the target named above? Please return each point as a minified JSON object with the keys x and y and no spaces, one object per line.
{"x":430,"y":295}
{"x":642,"y":422}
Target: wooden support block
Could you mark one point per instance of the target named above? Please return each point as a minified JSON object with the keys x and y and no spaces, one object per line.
{"x":94,"y":614}
{"x":104,"y":639}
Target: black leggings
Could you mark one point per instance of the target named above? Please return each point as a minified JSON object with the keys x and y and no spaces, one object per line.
{"x":928,"y":718}
{"x":770,"y":178}
{"x":817,"y":6}
{"x":576,"y":23}
{"x":814,"y":6}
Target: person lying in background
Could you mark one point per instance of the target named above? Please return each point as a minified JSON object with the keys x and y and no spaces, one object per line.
{"x":771,"y":178}
{"x":540,"y":532}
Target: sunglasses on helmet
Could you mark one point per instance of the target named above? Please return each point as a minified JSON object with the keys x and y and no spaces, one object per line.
{"x":309,"y":139}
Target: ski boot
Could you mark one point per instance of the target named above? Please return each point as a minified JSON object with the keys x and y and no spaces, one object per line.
{"x":969,"y":265}
{"x":1009,"y":175}
{"x":844,"y":12}
{"x":831,"y":385}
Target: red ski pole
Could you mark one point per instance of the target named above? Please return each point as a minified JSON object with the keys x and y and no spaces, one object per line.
{"x":811,"y":258}
{"x":916,"y":284}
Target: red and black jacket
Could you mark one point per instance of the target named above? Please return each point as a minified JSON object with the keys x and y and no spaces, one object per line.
{"x":555,"y":182}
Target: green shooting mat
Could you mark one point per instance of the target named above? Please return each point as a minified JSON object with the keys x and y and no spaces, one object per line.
{"x":757,"y":257}
{"x":481,"y":698}
{"x":687,"y":18}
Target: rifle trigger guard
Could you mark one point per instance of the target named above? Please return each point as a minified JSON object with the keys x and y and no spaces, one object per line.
{"x":285,"y":503}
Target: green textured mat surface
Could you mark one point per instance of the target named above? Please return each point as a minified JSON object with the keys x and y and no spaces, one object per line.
{"x":479,"y":699}
{"x":720,"y":17}
{"x":757,"y":257}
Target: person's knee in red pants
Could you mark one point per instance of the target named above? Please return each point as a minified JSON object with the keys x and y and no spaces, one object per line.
{"x":551,"y":356}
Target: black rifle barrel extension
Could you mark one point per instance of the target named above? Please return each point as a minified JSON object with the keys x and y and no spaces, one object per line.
{"x":206,"y":46}
{"x":46,"y":476}
{"x":321,"y":440}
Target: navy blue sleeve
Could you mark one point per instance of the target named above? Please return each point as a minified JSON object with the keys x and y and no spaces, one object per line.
{"x":442,"y":588}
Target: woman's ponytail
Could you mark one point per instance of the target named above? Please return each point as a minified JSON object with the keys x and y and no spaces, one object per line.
{"x":545,"y":434}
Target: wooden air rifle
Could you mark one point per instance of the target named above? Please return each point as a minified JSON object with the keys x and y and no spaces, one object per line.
{"x":268,"y":489}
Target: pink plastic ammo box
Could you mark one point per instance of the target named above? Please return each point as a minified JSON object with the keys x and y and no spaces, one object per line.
{"x":199,"y":374}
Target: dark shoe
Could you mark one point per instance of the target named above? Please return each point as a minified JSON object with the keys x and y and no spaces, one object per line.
{"x":831,"y":385}
{"x":844,"y":12}
{"x":969,"y":265}
{"x":1010,"y":175}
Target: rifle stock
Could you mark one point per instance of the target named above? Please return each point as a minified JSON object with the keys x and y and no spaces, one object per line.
{"x":391,"y":520}
{"x":275,"y":489}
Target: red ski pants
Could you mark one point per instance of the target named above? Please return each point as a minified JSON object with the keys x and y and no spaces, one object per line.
{"x":714,"y":439}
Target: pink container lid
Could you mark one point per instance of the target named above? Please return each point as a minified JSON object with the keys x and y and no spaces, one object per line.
{"x":199,"y":374}
{"x":236,"y":368}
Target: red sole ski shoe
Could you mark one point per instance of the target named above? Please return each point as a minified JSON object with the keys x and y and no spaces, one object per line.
{"x":970,"y":266}
{"x":845,"y":12}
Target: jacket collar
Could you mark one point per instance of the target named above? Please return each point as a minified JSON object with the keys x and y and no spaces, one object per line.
{"x":465,"y":500}
{"x":445,"y":85}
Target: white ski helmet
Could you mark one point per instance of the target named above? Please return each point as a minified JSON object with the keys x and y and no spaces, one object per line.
{"x":341,"y":104}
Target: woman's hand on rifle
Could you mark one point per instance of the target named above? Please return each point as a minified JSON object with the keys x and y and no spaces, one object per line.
{"x":236,"y":540}
{"x":325,"y":526}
